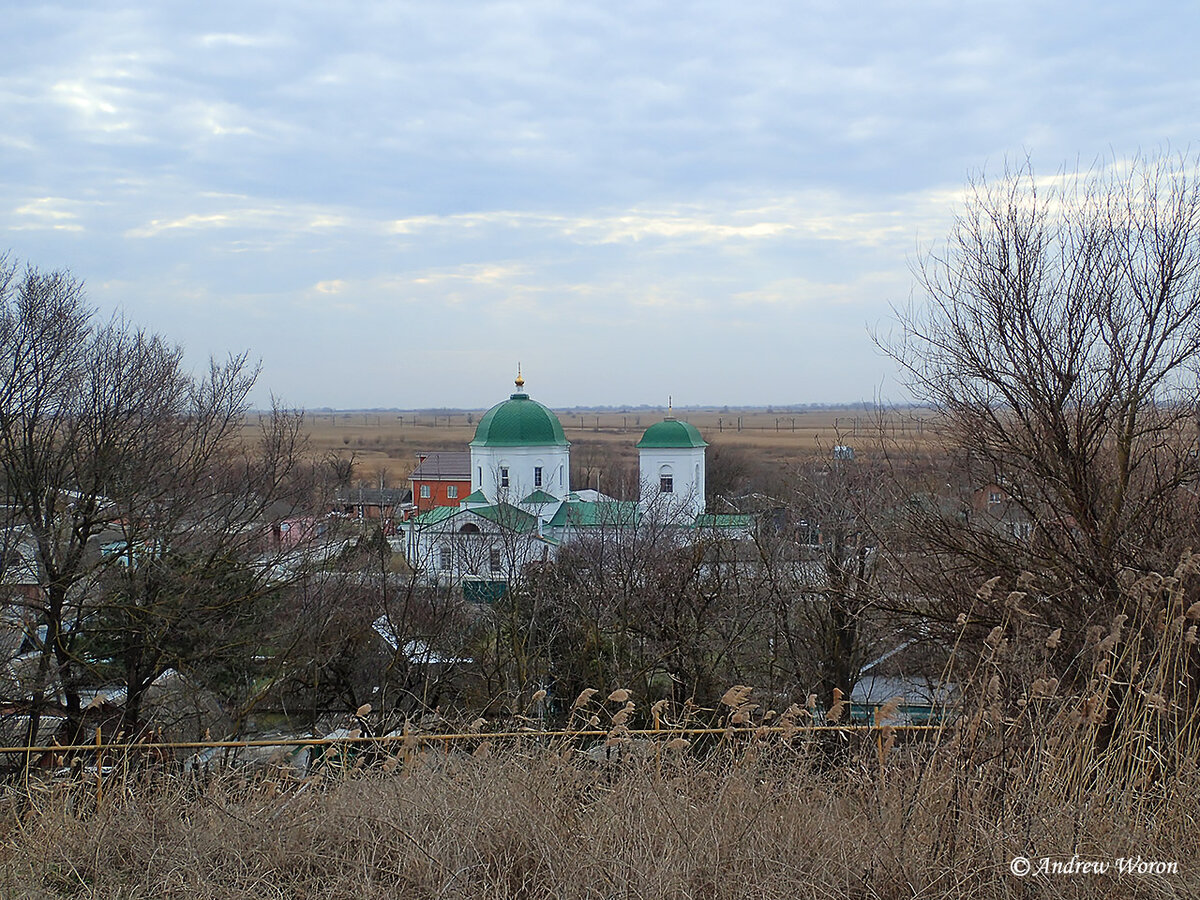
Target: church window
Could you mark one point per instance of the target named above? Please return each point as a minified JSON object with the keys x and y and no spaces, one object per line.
{"x":446,"y":558}
{"x":666,"y":484}
{"x":504,"y":476}
{"x":494,"y":559}
{"x":537,"y":476}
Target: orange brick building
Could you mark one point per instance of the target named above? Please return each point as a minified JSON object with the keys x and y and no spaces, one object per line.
{"x":440,"y":479}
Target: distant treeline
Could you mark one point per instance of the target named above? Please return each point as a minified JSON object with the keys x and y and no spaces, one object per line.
{"x":643,"y":407}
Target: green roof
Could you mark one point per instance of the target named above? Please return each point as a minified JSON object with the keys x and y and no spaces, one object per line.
{"x":435,"y":515}
{"x":611,"y":513}
{"x":475,"y":497}
{"x":519,"y":422}
{"x":503,"y":514}
{"x":507,"y":516}
{"x":479,"y":590}
{"x":539,"y":496}
{"x":723,"y":520}
{"x":671,"y":433}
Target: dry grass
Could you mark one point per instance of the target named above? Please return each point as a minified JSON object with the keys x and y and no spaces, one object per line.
{"x":774,"y":822}
{"x":1101,"y":770}
{"x":389,"y":441}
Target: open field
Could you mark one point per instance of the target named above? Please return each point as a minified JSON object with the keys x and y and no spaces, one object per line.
{"x":387,"y":442}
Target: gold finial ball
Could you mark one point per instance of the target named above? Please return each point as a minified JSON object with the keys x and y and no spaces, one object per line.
{"x":519,"y":381}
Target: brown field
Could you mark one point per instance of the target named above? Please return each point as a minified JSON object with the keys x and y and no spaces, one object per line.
{"x":387,"y":442}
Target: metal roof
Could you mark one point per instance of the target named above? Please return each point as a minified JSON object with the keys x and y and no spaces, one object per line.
{"x":519,"y":422}
{"x":723,"y":520}
{"x":443,"y":465}
{"x":539,"y":497}
{"x":613,"y":513}
{"x":670,"y":434}
{"x":374,"y":496}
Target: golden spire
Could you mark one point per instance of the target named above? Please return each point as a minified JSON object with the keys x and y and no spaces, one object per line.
{"x":670,"y":412}
{"x":519,"y":381}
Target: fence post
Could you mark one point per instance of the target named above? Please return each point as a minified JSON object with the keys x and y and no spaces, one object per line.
{"x":99,"y":769}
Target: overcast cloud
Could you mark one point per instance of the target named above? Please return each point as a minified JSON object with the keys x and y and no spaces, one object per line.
{"x":392,"y":203}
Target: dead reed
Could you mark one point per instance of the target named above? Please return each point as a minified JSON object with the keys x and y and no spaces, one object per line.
{"x":1092,"y":759}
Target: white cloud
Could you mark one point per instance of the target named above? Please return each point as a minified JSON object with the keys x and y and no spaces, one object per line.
{"x":526,"y":173}
{"x":54,"y":213}
{"x":231,"y":39}
{"x":100,"y":107}
{"x":473,"y":274}
{"x":220,"y":119}
{"x":190,"y":222}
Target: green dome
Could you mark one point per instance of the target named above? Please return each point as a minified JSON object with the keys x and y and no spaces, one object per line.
{"x":519,"y":422}
{"x":670,"y":434}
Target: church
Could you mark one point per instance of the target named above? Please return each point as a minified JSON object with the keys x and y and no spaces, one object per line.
{"x":521,"y":507}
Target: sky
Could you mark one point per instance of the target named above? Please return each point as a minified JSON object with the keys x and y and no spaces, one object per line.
{"x":390,"y":204}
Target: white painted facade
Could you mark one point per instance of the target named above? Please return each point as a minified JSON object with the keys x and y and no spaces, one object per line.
{"x":468,"y":545}
{"x":512,"y":473}
{"x":684,"y":467}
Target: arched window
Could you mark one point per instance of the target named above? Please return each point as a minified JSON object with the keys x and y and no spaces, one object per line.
{"x":469,"y":528}
{"x":666,"y":480}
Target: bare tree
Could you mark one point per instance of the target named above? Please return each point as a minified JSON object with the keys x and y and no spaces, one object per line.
{"x":641,"y":599}
{"x":141,"y":501}
{"x":198,"y":571}
{"x":1059,"y":340}
{"x":824,"y":563}
{"x":74,"y":400}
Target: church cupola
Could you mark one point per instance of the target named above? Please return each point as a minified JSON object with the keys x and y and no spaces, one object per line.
{"x":520,"y":448}
{"x":671,"y":468}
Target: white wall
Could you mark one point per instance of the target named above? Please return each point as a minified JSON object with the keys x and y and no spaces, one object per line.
{"x":486,"y":463}
{"x":686,"y":465}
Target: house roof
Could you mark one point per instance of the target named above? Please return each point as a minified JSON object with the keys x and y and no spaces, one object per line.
{"x":612,"y":513}
{"x":723,"y":520}
{"x":669,"y":434}
{"x":879,"y":689}
{"x":374,"y":496}
{"x":519,"y":422}
{"x":443,"y":465}
{"x":436,"y":515}
{"x":503,"y":514}
{"x":539,"y":496}
{"x":507,"y":516}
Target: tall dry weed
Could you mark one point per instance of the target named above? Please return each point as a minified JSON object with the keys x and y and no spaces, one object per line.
{"x":1093,"y":755}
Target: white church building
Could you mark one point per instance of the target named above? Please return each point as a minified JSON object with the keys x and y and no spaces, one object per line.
{"x":521,"y":507}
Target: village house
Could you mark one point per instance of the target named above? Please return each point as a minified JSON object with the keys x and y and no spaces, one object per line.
{"x":440,"y":479}
{"x":383,"y":505}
